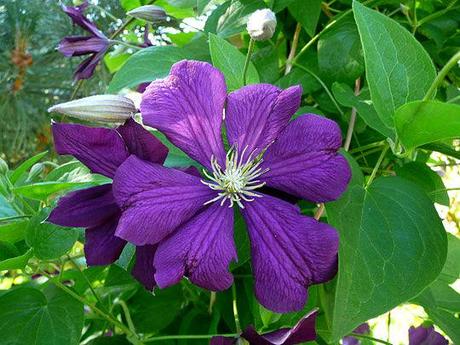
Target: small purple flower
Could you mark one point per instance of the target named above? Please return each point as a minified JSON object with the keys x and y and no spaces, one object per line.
{"x":303,"y":331}
{"x":191,"y":219}
{"x":425,"y":336}
{"x":95,"y":44}
{"x":103,"y":150}
{"x":361,"y":329}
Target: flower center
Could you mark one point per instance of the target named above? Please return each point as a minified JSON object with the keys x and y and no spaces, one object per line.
{"x":238,"y":180}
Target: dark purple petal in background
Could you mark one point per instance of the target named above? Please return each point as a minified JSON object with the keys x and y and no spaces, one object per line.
{"x":256,"y":114}
{"x":141,"y":143}
{"x":143,"y":269}
{"x":155,"y":200}
{"x":361,"y":329}
{"x":102,"y":247}
{"x":102,"y":150}
{"x":289,"y":252}
{"x":86,"y":69}
{"x":425,"y":336}
{"x":222,"y":340}
{"x":304,"y":162}
{"x":78,"y":18}
{"x":202,"y":249}
{"x":81,"y":45}
{"x":85,"y":208}
{"x":187,"y":107}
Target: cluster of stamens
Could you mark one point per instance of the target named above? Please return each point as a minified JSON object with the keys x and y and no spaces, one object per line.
{"x":237,"y":181}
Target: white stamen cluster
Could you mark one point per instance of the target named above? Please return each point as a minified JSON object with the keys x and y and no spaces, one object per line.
{"x":238,"y":180}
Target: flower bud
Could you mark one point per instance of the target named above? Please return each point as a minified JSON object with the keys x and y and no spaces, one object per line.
{"x":150,"y":13}
{"x":100,"y":108}
{"x":35,"y":171}
{"x":261,"y":24}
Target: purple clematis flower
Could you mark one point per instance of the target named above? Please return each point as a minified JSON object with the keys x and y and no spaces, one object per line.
{"x":425,"y":336}
{"x":303,"y":331}
{"x":103,"y":150}
{"x":95,"y":44}
{"x":191,"y":218}
{"x":361,"y":329}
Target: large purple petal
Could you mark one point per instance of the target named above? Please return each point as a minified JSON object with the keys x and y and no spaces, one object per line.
{"x":100,"y":149}
{"x":102,"y":247}
{"x":202,"y":250}
{"x":304,"y":162}
{"x":143,"y":269}
{"x":142,"y":143}
{"x":78,"y":18}
{"x":289,"y":252}
{"x":425,"y":336}
{"x":86,"y":69}
{"x":155,"y":200}
{"x":82,"y":45}
{"x":256,"y":114}
{"x":85,"y":208}
{"x":187,"y":107}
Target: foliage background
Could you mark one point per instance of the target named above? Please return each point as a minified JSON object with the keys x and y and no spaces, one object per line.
{"x":351,"y":63}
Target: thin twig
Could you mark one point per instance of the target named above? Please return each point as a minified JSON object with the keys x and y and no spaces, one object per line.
{"x":295,"y":42}
{"x":351,"y":124}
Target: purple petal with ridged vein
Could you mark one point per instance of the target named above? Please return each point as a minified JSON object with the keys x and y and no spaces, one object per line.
{"x":187,"y":107}
{"x":143,"y":269}
{"x":425,"y":336}
{"x":142,"y":143}
{"x":201,"y":249}
{"x":155,"y":200}
{"x":85,"y":208}
{"x":304,"y":161}
{"x":101,"y":149}
{"x":102,"y":247}
{"x":289,"y":252}
{"x":82,"y":45}
{"x":256,"y":114}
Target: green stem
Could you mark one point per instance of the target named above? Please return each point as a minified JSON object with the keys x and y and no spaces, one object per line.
{"x":323,"y":85}
{"x":127,"y":315}
{"x":98,"y":311}
{"x":189,"y":336}
{"x":86,"y":280}
{"x":235,"y":309}
{"x":248,"y":59}
{"x":377,"y":165}
{"x":357,"y":335}
{"x":436,"y":15}
{"x":368,"y":146}
{"x":5,"y":219}
{"x":441,"y":75}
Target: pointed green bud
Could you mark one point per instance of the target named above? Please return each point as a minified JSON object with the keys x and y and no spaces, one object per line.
{"x":149,"y":13}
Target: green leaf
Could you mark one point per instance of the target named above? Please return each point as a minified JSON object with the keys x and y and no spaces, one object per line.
{"x":49,"y":241}
{"x":16,"y":262}
{"x":243,"y":246}
{"x":30,"y":317}
{"x":231,"y":17}
{"x":297,"y":76}
{"x":231,"y":62}
{"x":345,"y":96}
{"x":424,"y":122}
{"x":306,"y":13}
{"x":398,"y":69}
{"x":392,"y":246}
{"x":427,"y":179}
{"x":150,"y":64}
{"x":165,"y":302}
{"x":13,"y":232}
{"x":21,"y":169}
{"x":340,"y":56}
{"x":42,"y":190}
